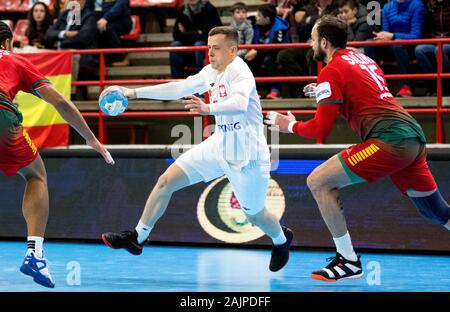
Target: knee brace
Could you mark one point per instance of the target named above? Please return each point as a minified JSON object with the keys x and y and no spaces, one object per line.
{"x":433,"y":207}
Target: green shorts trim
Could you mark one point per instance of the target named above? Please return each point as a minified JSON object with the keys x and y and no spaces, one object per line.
{"x":353,"y":176}
{"x":8,"y":122}
{"x":13,"y":108}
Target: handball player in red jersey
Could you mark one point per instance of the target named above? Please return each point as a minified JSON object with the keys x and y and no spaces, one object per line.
{"x":18,"y":153}
{"x":393,"y":143}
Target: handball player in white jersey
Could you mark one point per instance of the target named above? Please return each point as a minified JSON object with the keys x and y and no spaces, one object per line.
{"x":237,"y":149}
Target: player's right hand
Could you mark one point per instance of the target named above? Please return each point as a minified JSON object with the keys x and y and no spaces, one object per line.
{"x":310,"y":90}
{"x":96,"y":145}
{"x":129,"y":93}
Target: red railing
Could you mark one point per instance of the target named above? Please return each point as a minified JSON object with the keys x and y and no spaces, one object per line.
{"x":102,"y":82}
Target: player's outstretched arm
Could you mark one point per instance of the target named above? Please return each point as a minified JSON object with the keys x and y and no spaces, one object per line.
{"x":165,"y":91}
{"x":71,"y":114}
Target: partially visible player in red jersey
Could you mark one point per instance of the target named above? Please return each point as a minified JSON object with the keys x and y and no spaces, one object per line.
{"x":393,"y":142}
{"x":19,"y":155}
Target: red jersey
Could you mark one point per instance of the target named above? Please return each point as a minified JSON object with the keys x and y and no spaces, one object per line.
{"x":18,"y":74}
{"x":352,"y":84}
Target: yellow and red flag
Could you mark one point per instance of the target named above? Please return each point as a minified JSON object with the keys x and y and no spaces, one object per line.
{"x":44,"y":124}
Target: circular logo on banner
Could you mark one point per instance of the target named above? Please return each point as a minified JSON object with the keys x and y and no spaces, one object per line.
{"x":220,"y":214}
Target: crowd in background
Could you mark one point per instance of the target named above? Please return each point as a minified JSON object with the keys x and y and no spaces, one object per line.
{"x":102,"y":22}
{"x":52,"y":24}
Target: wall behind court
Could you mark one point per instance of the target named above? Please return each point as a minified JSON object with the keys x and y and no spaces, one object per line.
{"x":88,"y":198}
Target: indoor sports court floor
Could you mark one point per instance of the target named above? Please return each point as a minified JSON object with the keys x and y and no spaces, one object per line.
{"x":174,"y":269}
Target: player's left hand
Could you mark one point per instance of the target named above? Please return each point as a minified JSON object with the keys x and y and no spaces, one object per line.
{"x":96,"y":145}
{"x":194,"y":104}
{"x":279,"y":122}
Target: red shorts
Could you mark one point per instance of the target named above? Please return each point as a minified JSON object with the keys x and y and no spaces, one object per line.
{"x":405,"y":164}
{"x":17,"y":150}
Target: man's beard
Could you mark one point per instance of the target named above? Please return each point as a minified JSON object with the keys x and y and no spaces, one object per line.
{"x":319,"y":55}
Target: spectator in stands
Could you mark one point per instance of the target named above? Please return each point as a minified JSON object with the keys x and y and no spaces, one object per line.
{"x":401,"y":19}
{"x":426,"y":54}
{"x":68,"y":33}
{"x":269,"y":28}
{"x":39,"y":20}
{"x":307,"y":12}
{"x":242,"y":25}
{"x":113,"y":20}
{"x":286,"y":9}
{"x":355,"y":15}
{"x":193,"y":22}
{"x":299,"y":62}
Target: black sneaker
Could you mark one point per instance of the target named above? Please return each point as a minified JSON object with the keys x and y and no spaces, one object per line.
{"x":280,"y":254}
{"x":339,"y":269}
{"x":125,"y":239}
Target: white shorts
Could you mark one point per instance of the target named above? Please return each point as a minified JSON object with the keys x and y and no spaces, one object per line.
{"x":249,"y":183}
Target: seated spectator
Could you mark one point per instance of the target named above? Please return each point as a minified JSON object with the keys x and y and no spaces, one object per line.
{"x":426,"y":54}
{"x":70,"y":33}
{"x":40,"y":19}
{"x":284,"y":7}
{"x":307,"y":12}
{"x":355,"y":15}
{"x":299,"y":62}
{"x":113,"y":20}
{"x":401,"y":19}
{"x":286,"y":10}
{"x":269,"y":28}
{"x":242,"y":25}
{"x":193,"y":22}
{"x":66,"y":33}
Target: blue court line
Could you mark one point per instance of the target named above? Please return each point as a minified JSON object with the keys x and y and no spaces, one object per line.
{"x":286,"y":166}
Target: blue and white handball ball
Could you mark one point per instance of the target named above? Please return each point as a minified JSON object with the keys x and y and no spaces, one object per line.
{"x":113,"y":102}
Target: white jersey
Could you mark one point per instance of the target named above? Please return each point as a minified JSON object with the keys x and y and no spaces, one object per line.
{"x":239,"y":130}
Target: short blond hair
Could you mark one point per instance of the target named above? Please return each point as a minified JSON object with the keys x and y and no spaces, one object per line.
{"x":230,"y":33}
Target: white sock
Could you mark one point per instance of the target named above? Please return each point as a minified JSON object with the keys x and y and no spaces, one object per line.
{"x":280,"y":239}
{"x":35,"y":244}
{"x":143,"y":231}
{"x":345,"y":248}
